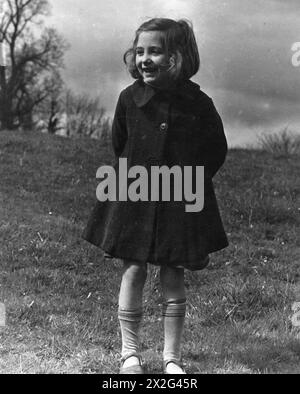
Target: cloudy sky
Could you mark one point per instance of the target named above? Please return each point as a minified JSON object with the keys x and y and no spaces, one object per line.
{"x":245,"y":48}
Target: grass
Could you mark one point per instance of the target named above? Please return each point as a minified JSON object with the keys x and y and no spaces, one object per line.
{"x":61,"y":296}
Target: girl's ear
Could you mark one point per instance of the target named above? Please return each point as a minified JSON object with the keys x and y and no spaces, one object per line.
{"x":172,"y":61}
{"x":175,"y":64}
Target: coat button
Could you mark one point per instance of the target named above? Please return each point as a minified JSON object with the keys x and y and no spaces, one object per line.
{"x":163,"y":126}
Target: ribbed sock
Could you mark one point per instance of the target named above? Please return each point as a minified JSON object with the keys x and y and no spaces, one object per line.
{"x":130,"y":321}
{"x":173,"y":315}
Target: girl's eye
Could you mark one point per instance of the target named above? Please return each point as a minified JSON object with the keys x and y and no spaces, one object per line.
{"x":155,"y":51}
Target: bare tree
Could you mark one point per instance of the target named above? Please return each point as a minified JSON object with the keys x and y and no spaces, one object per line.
{"x":35,"y":54}
{"x":86,"y":116}
{"x":48,"y":112}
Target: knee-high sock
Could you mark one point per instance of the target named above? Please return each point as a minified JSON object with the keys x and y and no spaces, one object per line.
{"x":173,"y":316}
{"x":130,"y":320}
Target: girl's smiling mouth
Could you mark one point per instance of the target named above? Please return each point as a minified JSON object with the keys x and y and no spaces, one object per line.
{"x":149,"y":70}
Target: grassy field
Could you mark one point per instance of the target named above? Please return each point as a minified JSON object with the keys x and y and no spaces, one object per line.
{"x":61,"y":296}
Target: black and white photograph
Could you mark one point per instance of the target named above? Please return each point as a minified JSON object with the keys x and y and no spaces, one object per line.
{"x":149,"y":189}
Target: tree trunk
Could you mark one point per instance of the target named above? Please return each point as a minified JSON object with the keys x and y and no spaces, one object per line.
{"x":6,"y":116}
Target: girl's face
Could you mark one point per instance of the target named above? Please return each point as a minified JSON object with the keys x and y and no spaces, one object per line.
{"x":151,"y":60}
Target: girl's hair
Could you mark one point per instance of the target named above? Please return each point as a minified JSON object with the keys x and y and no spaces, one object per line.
{"x":178,"y":39}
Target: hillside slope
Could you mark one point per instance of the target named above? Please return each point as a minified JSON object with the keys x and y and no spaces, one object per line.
{"x":61,"y":296}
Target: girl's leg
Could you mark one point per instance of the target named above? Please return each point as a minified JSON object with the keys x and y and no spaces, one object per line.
{"x":130,"y":309}
{"x":174,"y":306}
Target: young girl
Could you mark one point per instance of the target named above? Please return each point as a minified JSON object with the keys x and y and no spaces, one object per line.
{"x":162,"y":119}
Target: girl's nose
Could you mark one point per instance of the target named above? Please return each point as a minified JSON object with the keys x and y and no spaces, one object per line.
{"x":146,"y":60}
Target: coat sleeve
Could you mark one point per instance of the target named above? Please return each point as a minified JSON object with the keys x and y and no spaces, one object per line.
{"x":216,"y":147}
{"x":119,"y":128}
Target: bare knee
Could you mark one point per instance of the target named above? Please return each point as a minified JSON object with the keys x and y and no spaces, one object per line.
{"x":172,"y":282}
{"x":171,"y":277}
{"x":135,"y":273}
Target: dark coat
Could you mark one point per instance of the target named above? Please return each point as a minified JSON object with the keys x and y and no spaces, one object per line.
{"x":154,"y":128}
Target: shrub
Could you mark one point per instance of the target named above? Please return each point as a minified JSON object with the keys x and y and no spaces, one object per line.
{"x":281,"y":145}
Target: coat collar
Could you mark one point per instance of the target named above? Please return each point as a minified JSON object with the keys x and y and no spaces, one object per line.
{"x":143,"y":93}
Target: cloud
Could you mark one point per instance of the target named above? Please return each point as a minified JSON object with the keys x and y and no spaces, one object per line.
{"x":245,"y":50}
